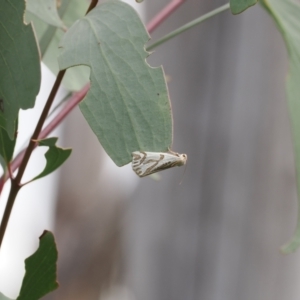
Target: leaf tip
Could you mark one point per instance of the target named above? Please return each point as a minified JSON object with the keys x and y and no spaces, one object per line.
{"x":43,"y":234}
{"x":238,"y":9}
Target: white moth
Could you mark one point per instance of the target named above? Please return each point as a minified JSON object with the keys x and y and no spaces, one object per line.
{"x":146,"y":163}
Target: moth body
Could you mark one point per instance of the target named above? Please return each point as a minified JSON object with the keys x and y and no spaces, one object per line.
{"x":146,"y":163}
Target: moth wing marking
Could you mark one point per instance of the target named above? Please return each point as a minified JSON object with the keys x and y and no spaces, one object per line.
{"x":146,"y":163}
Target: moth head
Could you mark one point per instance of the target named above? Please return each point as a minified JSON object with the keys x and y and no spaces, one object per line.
{"x":183,"y":159}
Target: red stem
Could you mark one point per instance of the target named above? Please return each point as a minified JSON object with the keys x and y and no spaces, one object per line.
{"x":164,"y":14}
{"x":72,"y":103}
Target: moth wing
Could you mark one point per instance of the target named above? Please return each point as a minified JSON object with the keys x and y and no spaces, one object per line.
{"x":137,"y":157}
{"x":146,"y":163}
{"x":141,"y":161}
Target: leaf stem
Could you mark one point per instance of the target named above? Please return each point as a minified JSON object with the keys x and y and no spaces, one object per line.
{"x":39,"y":125}
{"x":164,"y":14}
{"x":10,"y":173}
{"x":188,"y":26}
{"x":70,"y":105}
{"x":8,"y":208}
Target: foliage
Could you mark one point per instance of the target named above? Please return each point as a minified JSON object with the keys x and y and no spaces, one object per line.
{"x":46,"y":10}
{"x":127,"y":107}
{"x":40,"y":276}
{"x":238,"y":6}
{"x":286,"y":15}
{"x":55,"y":157}
{"x":19,"y":65}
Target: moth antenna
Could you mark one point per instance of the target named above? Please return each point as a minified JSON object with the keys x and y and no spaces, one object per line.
{"x":183,"y":174}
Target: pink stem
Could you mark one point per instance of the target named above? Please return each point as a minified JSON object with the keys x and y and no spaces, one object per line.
{"x":77,"y":97}
{"x":73,"y":101}
{"x":164,"y":14}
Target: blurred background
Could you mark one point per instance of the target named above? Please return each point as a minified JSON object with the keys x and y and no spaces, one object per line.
{"x":215,"y":236}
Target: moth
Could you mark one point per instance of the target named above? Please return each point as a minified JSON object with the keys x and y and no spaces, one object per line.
{"x":146,"y":163}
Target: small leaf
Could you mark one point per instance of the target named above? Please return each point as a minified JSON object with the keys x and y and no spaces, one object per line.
{"x":49,"y":38}
{"x":7,"y":147}
{"x":19,"y":64}
{"x":127,"y":106}
{"x":55,"y":157}
{"x":238,"y":6}
{"x":286,"y":15}
{"x":40,"y":277}
{"x":76,"y":78}
{"x":2,"y":297}
{"x":45,"y":10}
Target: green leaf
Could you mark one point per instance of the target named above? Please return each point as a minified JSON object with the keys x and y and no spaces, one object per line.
{"x":55,"y":157}
{"x":40,"y":276}
{"x":7,"y":147}
{"x":45,"y":32}
{"x":127,"y":106}
{"x":77,"y":77}
{"x":45,"y":10}
{"x":286,"y":14}
{"x":2,"y":297}
{"x":19,"y":64}
{"x":49,"y":38}
{"x":40,"y":29}
{"x":238,"y":6}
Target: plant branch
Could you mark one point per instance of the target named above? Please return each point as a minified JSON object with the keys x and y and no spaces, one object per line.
{"x":8,"y":208}
{"x":10,"y":173}
{"x":164,"y":14}
{"x":188,"y":26}
{"x":72,"y":103}
{"x":39,"y":126}
{"x":15,"y":183}
{"x":2,"y":180}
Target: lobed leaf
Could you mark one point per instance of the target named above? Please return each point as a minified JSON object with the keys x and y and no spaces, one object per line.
{"x":19,"y":64}
{"x":55,"y":157}
{"x":40,"y":277}
{"x":238,"y":6}
{"x":286,"y":15}
{"x":46,"y":10}
{"x":127,"y":106}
